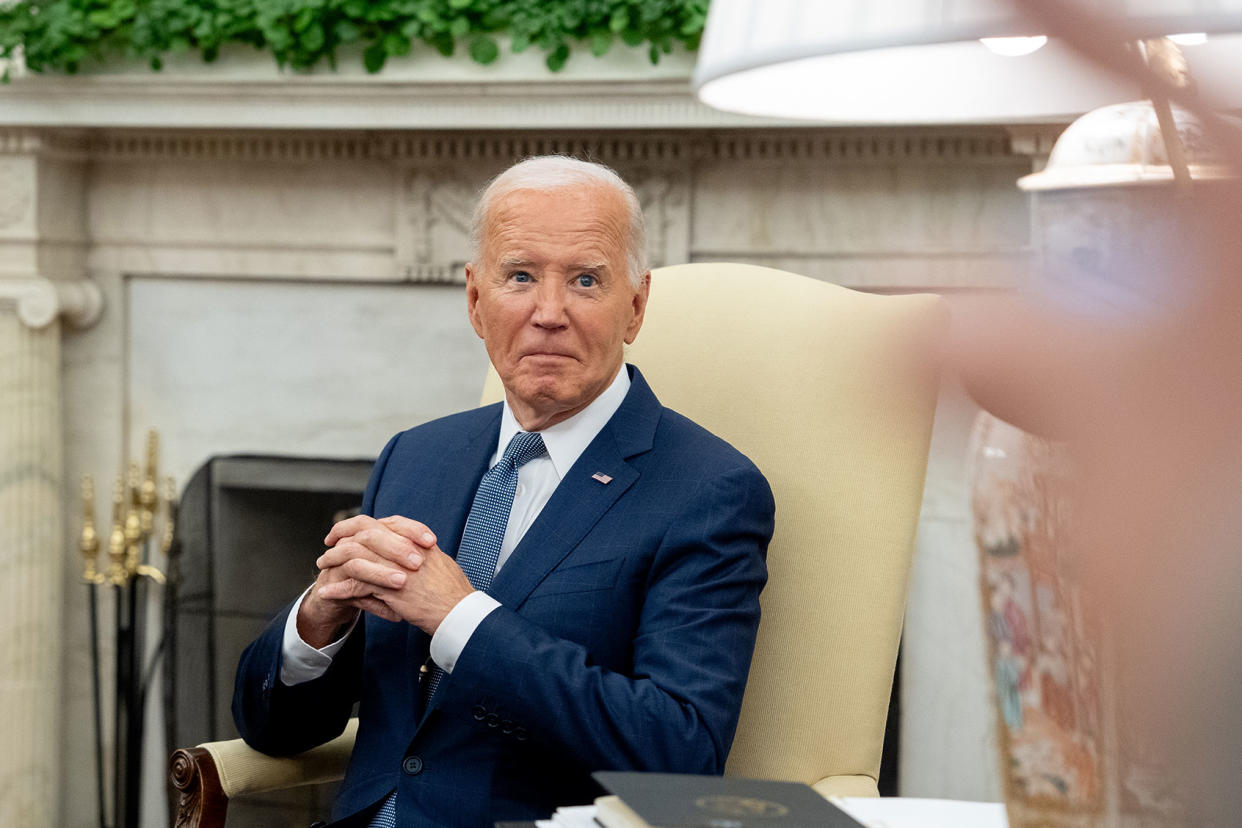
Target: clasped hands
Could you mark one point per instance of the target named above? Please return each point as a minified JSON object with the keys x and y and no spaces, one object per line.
{"x":390,"y":567}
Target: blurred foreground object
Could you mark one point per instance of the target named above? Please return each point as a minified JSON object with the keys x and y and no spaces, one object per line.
{"x":1110,"y":559}
{"x":1126,"y":350}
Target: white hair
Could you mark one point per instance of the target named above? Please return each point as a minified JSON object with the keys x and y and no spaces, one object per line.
{"x":555,"y":172}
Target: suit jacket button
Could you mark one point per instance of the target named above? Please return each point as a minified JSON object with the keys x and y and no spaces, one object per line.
{"x":413,"y":765}
{"x":479,"y":712}
{"x":506,"y":726}
{"x":492,"y":720}
{"x":520,"y":734}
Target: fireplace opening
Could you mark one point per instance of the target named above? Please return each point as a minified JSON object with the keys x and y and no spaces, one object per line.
{"x":250,"y":528}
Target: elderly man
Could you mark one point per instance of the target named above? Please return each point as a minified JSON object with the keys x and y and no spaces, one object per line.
{"x":565,"y":582}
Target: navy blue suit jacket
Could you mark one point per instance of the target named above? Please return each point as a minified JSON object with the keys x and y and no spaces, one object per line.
{"x":628,"y":618}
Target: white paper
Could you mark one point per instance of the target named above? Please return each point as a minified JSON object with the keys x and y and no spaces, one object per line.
{"x":904,"y":812}
{"x":571,"y":816}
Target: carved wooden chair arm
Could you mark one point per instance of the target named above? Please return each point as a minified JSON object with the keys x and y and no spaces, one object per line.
{"x":207,"y":776}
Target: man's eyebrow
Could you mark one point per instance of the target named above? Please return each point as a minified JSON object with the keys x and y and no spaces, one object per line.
{"x":517,"y":262}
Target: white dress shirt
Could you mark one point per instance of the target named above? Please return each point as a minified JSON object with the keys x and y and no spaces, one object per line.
{"x":537,"y":480}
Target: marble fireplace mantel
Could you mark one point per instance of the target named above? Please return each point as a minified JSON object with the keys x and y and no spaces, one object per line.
{"x":247,"y":90}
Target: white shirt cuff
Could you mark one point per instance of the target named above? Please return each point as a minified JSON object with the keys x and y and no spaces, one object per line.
{"x":300,"y":662}
{"x":455,"y":630}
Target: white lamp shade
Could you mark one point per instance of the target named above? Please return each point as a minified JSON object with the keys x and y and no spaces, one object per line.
{"x":919,"y":61}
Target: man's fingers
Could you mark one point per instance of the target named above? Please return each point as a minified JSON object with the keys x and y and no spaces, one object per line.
{"x":342,"y":591}
{"x":350,"y":549}
{"x":378,"y":539}
{"x":360,"y":596}
{"x":412,"y":530}
{"x":363,"y":579}
{"x":387,"y":544}
{"x":347,"y":527}
{"x":377,"y":608}
{"x":381,"y":575}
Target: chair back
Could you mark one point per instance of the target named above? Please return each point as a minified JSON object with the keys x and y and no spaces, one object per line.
{"x":831,"y":393}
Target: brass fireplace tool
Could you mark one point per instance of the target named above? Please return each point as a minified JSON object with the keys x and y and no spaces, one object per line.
{"x":138,"y":509}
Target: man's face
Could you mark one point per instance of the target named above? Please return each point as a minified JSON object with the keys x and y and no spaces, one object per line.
{"x":551,"y":298}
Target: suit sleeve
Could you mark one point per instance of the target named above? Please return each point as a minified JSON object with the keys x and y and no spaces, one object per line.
{"x":280,"y":720}
{"x":677,"y":708}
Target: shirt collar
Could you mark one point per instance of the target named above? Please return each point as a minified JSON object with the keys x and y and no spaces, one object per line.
{"x":566,"y":440}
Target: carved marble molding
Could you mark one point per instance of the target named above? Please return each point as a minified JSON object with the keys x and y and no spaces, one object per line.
{"x":16,"y":198}
{"x":42,"y":239}
{"x":39,"y":301}
{"x":71,"y":144}
{"x":1034,"y":140}
{"x":431,"y":178}
{"x":662,"y":148}
{"x":665,"y":199}
{"x":17,"y":141}
{"x":436,"y":203}
{"x":433,"y":224}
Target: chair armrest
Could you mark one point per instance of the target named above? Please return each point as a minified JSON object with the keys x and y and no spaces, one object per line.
{"x":205,"y":777}
{"x":201,"y":802}
{"x":846,"y":785}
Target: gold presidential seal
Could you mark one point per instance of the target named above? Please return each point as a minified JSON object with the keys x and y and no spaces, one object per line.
{"x":740,"y":806}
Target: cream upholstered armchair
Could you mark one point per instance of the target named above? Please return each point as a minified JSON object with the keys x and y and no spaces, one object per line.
{"x":831,"y":393}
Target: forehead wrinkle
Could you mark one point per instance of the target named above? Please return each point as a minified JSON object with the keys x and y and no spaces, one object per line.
{"x":515,"y":233}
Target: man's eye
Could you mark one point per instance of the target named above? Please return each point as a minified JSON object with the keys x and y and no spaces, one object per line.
{"x":586,"y":280}
{"x":521,"y":276}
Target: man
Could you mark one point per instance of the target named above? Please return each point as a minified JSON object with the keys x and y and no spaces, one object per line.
{"x":576,"y":571}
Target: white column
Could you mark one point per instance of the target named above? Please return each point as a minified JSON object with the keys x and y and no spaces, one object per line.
{"x":40,"y":250}
{"x":32,"y":559}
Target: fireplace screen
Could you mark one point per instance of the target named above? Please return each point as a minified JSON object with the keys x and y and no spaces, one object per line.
{"x":250,"y":528}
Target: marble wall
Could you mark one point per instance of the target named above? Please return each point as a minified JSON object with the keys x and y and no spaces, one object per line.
{"x":328,"y":369}
{"x":298,"y":292}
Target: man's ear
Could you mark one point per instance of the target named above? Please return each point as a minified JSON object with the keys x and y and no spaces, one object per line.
{"x":639,"y":306}
{"x":472,"y":299}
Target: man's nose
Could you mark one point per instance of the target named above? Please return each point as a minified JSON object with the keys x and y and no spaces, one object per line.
{"x":550,"y":305}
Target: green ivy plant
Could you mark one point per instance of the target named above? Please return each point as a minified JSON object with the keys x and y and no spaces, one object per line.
{"x":64,"y":35}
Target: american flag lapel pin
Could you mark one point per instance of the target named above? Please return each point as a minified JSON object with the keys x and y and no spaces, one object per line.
{"x":602,"y":478}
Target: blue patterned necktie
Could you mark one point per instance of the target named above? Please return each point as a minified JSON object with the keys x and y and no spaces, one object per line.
{"x":479,"y":552}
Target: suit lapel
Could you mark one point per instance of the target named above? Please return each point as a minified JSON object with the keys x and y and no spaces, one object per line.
{"x":581,"y":500}
{"x":455,"y":480}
